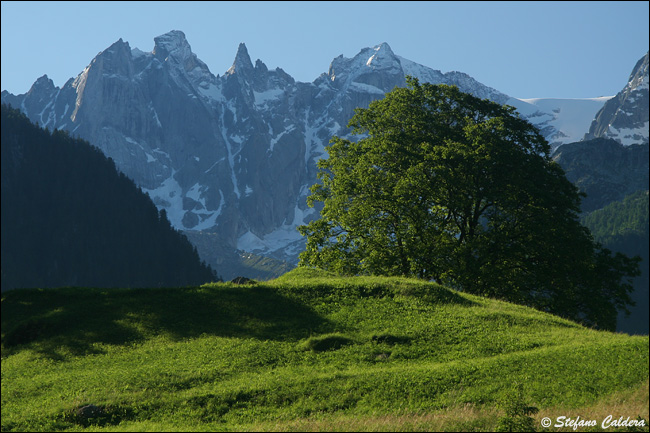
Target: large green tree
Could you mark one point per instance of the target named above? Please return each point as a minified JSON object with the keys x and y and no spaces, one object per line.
{"x":445,"y":186}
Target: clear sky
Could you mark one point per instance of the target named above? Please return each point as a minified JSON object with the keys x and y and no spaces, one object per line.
{"x":525,"y":49}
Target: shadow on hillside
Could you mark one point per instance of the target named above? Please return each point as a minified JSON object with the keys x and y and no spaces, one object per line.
{"x":70,"y":321}
{"x":435,"y":295}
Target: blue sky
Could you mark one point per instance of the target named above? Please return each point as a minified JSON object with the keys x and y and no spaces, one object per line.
{"x":524,"y":49}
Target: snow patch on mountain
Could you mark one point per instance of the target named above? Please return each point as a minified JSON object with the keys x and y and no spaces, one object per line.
{"x":169,"y":196}
{"x":264,"y":98}
{"x":283,"y":243}
{"x":629,"y":136}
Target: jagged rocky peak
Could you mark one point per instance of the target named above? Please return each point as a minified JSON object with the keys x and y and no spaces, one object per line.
{"x":242,"y":61}
{"x":244,"y":78}
{"x":42,"y":84}
{"x":260,"y":66}
{"x":625,"y":117}
{"x":266,"y":79}
{"x":36,"y":100}
{"x":377,"y":66}
{"x":115,"y":59}
{"x":118,"y":45}
{"x":382,"y":57}
{"x":174,"y":51}
{"x":172,"y":44}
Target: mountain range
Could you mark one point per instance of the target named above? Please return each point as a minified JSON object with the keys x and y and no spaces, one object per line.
{"x":231,"y":157}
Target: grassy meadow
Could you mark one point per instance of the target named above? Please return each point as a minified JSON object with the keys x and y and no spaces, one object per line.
{"x":305,"y":352}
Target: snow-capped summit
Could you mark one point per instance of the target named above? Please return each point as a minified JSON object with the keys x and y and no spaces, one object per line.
{"x":383,"y":58}
{"x":377,"y":67}
{"x":625,"y":117}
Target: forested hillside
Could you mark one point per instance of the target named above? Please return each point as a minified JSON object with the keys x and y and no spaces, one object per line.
{"x":622,"y":226}
{"x":603,"y":169}
{"x":69,"y":218}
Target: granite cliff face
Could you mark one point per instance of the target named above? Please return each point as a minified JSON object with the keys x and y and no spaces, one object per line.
{"x":234,"y":154}
{"x":624,"y":118}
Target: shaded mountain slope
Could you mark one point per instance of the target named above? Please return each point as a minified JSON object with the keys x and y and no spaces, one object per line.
{"x":622,"y":226}
{"x":69,"y":218}
{"x":604,"y":169}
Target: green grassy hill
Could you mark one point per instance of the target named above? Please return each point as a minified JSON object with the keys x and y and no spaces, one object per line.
{"x":307,"y":351}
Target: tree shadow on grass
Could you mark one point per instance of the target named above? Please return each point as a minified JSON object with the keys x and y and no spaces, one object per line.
{"x":70,"y":321}
{"x":433,"y":294}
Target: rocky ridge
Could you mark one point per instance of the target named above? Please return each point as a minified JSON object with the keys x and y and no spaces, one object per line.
{"x":624,"y":118}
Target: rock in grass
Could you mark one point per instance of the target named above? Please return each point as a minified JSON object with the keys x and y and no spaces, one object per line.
{"x":89,"y":411}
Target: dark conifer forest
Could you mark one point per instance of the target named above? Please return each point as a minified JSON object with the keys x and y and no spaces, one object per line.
{"x":622,"y":226}
{"x":70,"y":218}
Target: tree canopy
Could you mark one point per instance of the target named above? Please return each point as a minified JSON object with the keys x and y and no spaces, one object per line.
{"x":445,"y":186}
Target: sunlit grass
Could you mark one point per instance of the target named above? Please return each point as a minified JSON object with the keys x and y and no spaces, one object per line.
{"x":305,"y":352}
